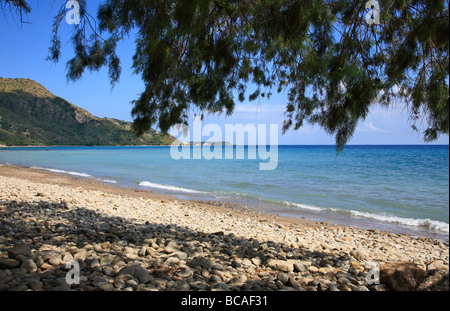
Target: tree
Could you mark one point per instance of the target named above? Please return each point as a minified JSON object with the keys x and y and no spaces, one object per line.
{"x":199,"y":55}
{"x":20,"y":6}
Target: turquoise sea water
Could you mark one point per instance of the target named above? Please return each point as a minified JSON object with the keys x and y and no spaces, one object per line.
{"x":396,"y":188}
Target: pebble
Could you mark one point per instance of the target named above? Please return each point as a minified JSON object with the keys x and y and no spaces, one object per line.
{"x":181,"y":285}
{"x":19,"y":249}
{"x":105,"y":286}
{"x":9,"y":263}
{"x":358,"y":254}
{"x":29,"y":265}
{"x":185,"y":274}
{"x":283,"y":278}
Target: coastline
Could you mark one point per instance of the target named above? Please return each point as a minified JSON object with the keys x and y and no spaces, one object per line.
{"x":38,"y":175}
{"x":186,"y":245}
{"x":393,"y":210}
{"x":50,"y":146}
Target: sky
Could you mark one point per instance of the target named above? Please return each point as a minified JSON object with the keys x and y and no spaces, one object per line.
{"x":23,"y":51}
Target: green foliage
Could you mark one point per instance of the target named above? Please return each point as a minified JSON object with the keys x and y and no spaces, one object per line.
{"x":193,"y":55}
{"x":30,"y":115}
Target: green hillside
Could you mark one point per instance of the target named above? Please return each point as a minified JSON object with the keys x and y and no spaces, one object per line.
{"x":31,"y":115}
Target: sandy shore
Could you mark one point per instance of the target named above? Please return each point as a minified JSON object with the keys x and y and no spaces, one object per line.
{"x":132,"y":239}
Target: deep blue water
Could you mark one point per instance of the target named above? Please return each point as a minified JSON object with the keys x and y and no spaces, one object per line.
{"x":403,"y":186}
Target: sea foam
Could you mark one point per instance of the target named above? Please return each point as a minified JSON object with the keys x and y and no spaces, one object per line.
{"x":422,"y":223}
{"x":54,"y":170}
{"x":168,"y":187}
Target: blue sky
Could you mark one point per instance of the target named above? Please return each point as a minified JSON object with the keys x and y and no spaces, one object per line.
{"x":23,"y":49}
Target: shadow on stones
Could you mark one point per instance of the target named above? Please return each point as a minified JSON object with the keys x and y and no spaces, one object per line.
{"x":173,"y":257}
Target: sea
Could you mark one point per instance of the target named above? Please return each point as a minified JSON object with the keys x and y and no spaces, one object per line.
{"x":399,"y":189}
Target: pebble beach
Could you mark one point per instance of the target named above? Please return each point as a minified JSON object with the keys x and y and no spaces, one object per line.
{"x":135,"y":240}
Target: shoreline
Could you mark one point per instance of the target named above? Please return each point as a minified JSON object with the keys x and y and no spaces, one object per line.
{"x":250,"y":208}
{"x":188,"y":245}
{"x":359,"y":213}
{"x":90,"y":183}
{"x":55,"y":146}
{"x":350,"y":218}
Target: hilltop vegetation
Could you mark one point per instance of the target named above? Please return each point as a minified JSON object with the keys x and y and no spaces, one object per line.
{"x":31,"y":115}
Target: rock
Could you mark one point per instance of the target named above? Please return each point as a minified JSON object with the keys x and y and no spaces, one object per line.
{"x":356,"y":265}
{"x":314,"y":282}
{"x":5,"y":276}
{"x":283,"y":278}
{"x":20,"y":288}
{"x":108,"y":259}
{"x":343,"y":283}
{"x":293,"y":283}
{"x":67,"y":257}
{"x":325,"y":262}
{"x":361,"y":288}
{"x":9,"y":263}
{"x":220,"y":287}
{"x":378,"y":288}
{"x":29,"y":265}
{"x":35,"y":285}
{"x":235,"y":264}
{"x":119,"y":283}
{"x":235,"y":282}
{"x":401,"y":276}
{"x":284,"y":266}
{"x":202,"y":262}
{"x":321,"y":287}
{"x":180,"y":255}
{"x":246,"y":262}
{"x":105,"y":286}
{"x":218,"y":266}
{"x":172,"y":261}
{"x":59,"y":288}
{"x":109,"y":271}
{"x":243,"y":278}
{"x":299,"y":267}
{"x":55,"y":260}
{"x":215,"y":279}
{"x":256,"y":261}
{"x":94,"y":263}
{"x":143,"y":251}
{"x":438,"y":265}
{"x":170,"y":249}
{"x":138,"y":272}
{"x":281,"y":265}
{"x":127,"y":270}
{"x":332,"y":288}
{"x":358,"y":254}
{"x":181,"y":285}
{"x":19,"y":249}
{"x":353,"y":270}
{"x":436,"y":280}
{"x":133,"y":283}
{"x":46,"y":266}
{"x":39,"y":261}
{"x":185,"y":274}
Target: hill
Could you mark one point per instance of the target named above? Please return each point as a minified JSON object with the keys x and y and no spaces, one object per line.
{"x":31,"y":115}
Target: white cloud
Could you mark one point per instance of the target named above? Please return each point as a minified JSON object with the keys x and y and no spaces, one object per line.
{"x":369,"y":127}
{"x":259,"y":108}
